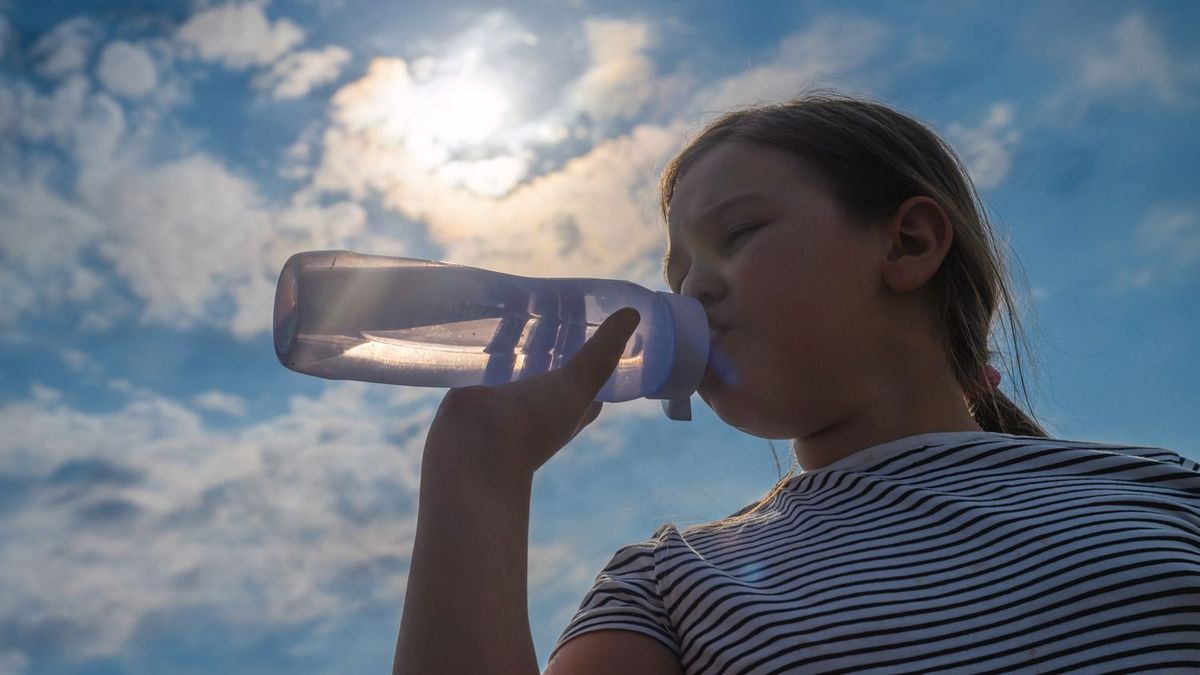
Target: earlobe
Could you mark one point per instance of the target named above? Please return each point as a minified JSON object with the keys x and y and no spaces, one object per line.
{"x":920,"y":234}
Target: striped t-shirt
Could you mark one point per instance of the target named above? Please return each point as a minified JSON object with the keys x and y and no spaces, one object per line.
{"x":955,"y":551}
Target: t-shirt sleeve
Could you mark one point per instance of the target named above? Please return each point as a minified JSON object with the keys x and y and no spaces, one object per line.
{"x":625,"y":596}
{"x":1168,"y":456}
{"x":1188,"y":464}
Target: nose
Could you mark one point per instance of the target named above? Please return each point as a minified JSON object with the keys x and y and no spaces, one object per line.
{"x":704,"y":284}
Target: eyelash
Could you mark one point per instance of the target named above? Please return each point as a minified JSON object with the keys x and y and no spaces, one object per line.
{"x":737,"y":232}
{"x":734,"y":234}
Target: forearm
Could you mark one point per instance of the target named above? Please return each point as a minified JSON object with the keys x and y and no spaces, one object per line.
{"x":466,"y":607}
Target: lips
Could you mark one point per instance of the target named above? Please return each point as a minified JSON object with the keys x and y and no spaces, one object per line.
{"x":716,"y":325}
{"x":720,"y":366}
{"x":715,"y":338}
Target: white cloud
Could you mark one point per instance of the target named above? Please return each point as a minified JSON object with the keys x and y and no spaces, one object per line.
{"x":1133,"y":279}
{"x":298,"y":73}
{"x":150,"y":510}
{"x":98,"y":131}
{"x":239,"y":35}
{"x":1132,"y":62}
{"x":65,"y":48}
{"x":619,"y":79}
{"x":82,"y":364}
{"x":558,"y":571}
{"x":189,"y":234}
{"x":302,"y":225}
{"x":1172,"y":231}
{"x":1168,"y":241}
{"x":222,"y":402}
{"x":81,"y":122}
{"x":40,"y":393}
{"x":415,"y":125}
{"x":828,"y":51}
{"x":296,"y":163}
{"x":105,"y":311}
{"x":195,"y":243}
{"x":492,"y":177}
{"x":597,"y":214}
{"x":377,"y":101}
{"x":13,"y":662}
{"x":594,"y":216}
{"x":987,"y":149}
{"x":126,"y":69}
{"x":303,"y":516}
{"x":1133,"y":57}
{"x":180,"y":234}
{"x":40,"y":118}
{"x":41,"y":240}
{"x":74,"y":358}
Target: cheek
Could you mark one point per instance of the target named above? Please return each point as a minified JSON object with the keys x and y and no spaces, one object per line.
{"x":783,"y":294}
{"x":809,"y":317}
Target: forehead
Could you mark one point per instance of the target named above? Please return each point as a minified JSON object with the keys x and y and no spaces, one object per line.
{"x":732,"y":169}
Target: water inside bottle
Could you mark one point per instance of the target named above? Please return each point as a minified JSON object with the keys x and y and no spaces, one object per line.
{"x":412,"y":325}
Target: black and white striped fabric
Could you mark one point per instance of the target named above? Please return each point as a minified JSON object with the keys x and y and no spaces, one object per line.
{"x":956,"y":552}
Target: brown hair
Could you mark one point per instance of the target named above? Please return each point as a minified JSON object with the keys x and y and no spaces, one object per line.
{"x":873,"y":158}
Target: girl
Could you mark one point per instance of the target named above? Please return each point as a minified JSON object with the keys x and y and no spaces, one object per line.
{"x":845,"y":263}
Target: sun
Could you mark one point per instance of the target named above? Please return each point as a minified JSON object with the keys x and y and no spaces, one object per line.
{"x":456,"y":112}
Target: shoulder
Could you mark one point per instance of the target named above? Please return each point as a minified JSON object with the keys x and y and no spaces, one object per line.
{"x":1152,"y":453}
{"x":627,"y":598}
{"x":638,"y":562}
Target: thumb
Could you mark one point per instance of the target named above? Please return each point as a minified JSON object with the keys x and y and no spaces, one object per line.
{"x":590,"y":367}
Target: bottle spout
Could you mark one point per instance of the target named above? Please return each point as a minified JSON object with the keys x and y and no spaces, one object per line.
{"x":689,"y":356}
{"x":678,"y":409}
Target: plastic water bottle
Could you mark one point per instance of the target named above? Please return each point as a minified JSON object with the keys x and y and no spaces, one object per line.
{"x":346,"y":316}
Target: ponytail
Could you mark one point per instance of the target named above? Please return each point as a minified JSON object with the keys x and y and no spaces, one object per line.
{"x":993,"y":411}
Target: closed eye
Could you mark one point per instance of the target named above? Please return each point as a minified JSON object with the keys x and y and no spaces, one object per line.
{"x":737,"y":232}
{"x":734,"y":235}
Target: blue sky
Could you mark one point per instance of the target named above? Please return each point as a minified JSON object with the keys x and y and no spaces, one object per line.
{"x":172,"y":500}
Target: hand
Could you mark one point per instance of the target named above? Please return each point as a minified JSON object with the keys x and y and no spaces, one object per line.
{"x":509,"y":431}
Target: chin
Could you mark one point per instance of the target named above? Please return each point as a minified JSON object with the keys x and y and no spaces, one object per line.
{"x":735,"y":409}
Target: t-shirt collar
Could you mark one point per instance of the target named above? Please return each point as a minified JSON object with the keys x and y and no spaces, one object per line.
{"x":876,"y":453}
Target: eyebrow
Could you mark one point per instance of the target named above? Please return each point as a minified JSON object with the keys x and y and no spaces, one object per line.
{"x":712,"y":213}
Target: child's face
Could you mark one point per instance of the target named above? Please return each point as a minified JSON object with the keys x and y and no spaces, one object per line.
{"x":801,"y":295}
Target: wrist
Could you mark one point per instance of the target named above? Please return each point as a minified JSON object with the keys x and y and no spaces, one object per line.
{"x":457,"y":466}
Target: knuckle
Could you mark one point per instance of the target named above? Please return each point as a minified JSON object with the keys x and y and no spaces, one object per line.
{"x":571,"y":385}
{"x":474,"y":399}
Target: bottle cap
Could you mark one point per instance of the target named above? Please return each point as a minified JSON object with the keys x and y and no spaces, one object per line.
{"x":689,"y":357}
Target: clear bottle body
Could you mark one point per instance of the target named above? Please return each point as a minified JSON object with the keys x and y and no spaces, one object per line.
{"x":342,"y":315}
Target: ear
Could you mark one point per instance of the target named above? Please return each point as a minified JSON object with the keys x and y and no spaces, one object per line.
{"x":919,"y":235}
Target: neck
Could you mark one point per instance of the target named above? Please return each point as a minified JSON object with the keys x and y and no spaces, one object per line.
{"x":893,"y":413}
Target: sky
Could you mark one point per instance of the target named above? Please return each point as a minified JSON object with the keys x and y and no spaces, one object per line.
{"x":173,"y":500}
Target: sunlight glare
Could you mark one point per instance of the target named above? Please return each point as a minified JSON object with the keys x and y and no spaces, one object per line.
{"x":455,"y":112}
